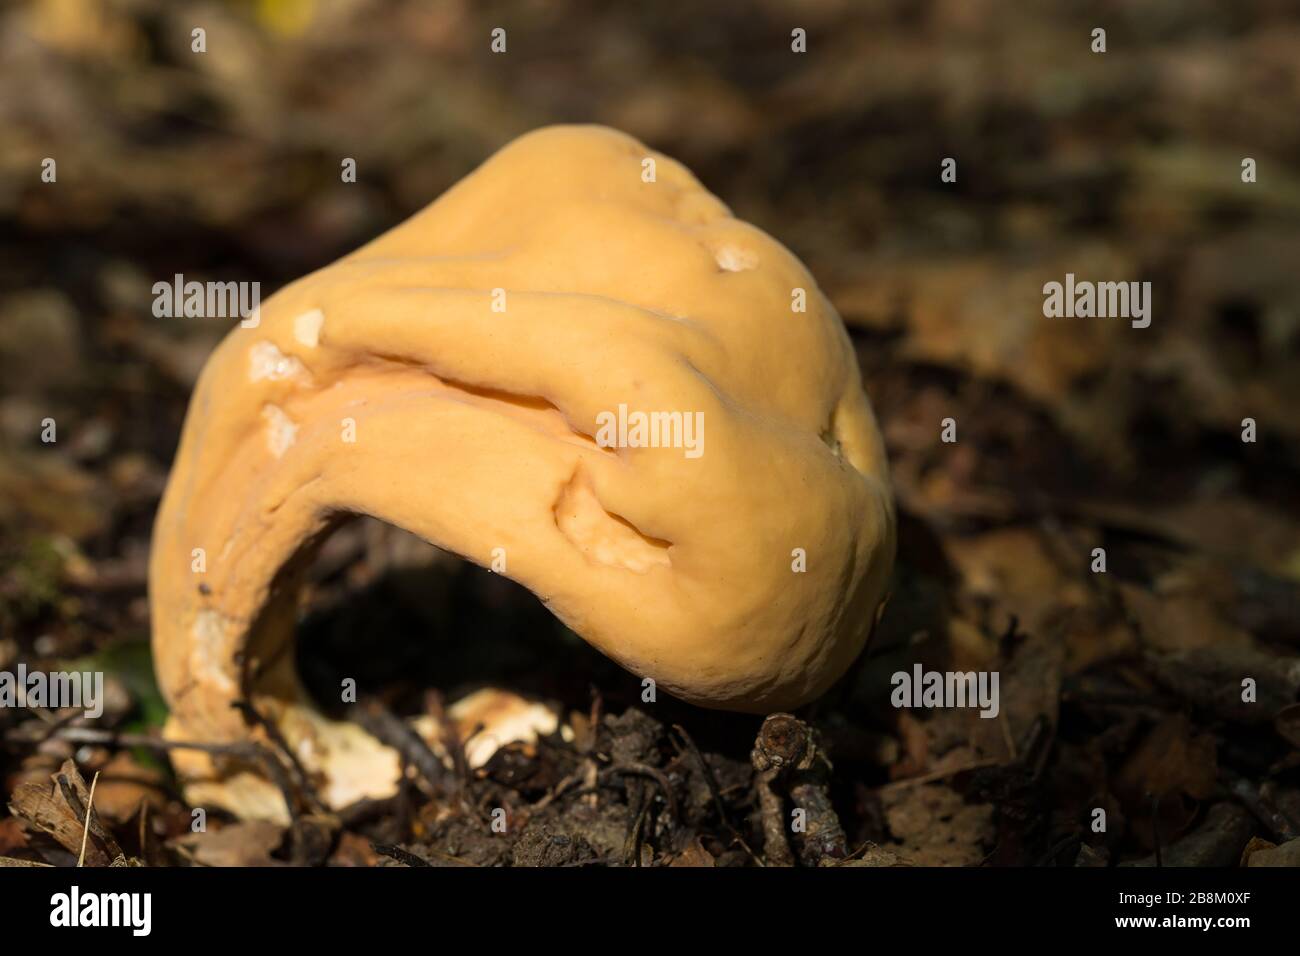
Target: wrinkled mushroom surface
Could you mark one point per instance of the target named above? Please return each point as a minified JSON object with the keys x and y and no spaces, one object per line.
{"x":451,"y":378}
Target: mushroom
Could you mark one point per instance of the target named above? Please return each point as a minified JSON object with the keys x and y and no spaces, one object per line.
{"x":596,"y":382}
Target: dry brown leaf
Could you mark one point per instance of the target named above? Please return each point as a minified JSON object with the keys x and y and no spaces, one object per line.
{"x":46,"y":808}
{"x":694,"y":855}
{"x":1288,"y":854}
{"x":934,"y":826}
{"x":249,"y":843}
{"x":1165,"y":778}
{"x":124,"y":784}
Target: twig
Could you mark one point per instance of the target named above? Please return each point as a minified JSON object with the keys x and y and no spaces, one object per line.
{"x":394,"y":852}
{"x":390,"y":729}
{"x":305,"y":787}
{"x":448,"y":858}
{"x":103,"y":838}
{"x":559,"y":789}
{"x":707,"y":771}
{"x":435,"y":706}
{"x":736,"y":838}
{"x":1155,"y":827}
{"x":245,"y":750}
{"x":53,"y":723}
{"x":934,"y":775}
{"x":144,"y":829}
{"x":643,"y":770}
{"x":85,"y":826}
{"x":1254,"y":800}
{"x":1008,"y":740}
{"x":398,"y":854}
{"x":1036,"y":745}
{"x":638,"y":810}
{"x":1058,"y":847}
{"x":367,"y":809}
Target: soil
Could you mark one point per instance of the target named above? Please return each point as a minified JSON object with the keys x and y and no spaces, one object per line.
{"x":1114,"y":530}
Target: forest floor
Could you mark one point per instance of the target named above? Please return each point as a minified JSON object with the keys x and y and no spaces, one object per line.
{"x":1162,"y":690}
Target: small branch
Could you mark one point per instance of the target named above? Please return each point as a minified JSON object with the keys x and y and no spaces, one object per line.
{"x":394,"y":852}
{"x":658,"y":776}
{"x":303,"y":779}
{"x":85,"y":827}
{"x":72,"y":798}
{"x":245,"y":750}
{"x":1254,"y":800}
{"x":710,"y":780}
{"x":386,"y":727}
{"x":398,"y":854}
{"x":942,"y":774}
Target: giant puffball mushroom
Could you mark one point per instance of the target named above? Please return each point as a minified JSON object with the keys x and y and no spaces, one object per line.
{"x":481,"y":376}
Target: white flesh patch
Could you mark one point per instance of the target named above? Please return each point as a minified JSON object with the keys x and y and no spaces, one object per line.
{"x":281,"y":432}
{"x":732,"y":259}
{"x":306,"y":328}
{"x":265,"y":361}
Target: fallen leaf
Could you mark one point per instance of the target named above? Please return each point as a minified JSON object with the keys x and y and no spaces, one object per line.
{"x":248,"y":843}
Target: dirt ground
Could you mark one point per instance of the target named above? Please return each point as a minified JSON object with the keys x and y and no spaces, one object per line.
{"x":1162,"y":691}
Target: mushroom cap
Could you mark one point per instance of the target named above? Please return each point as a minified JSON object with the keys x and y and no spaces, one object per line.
{"x":458,"y":376}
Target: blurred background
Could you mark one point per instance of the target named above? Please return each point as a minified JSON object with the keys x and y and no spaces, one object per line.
{"x":1072,"y":433}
